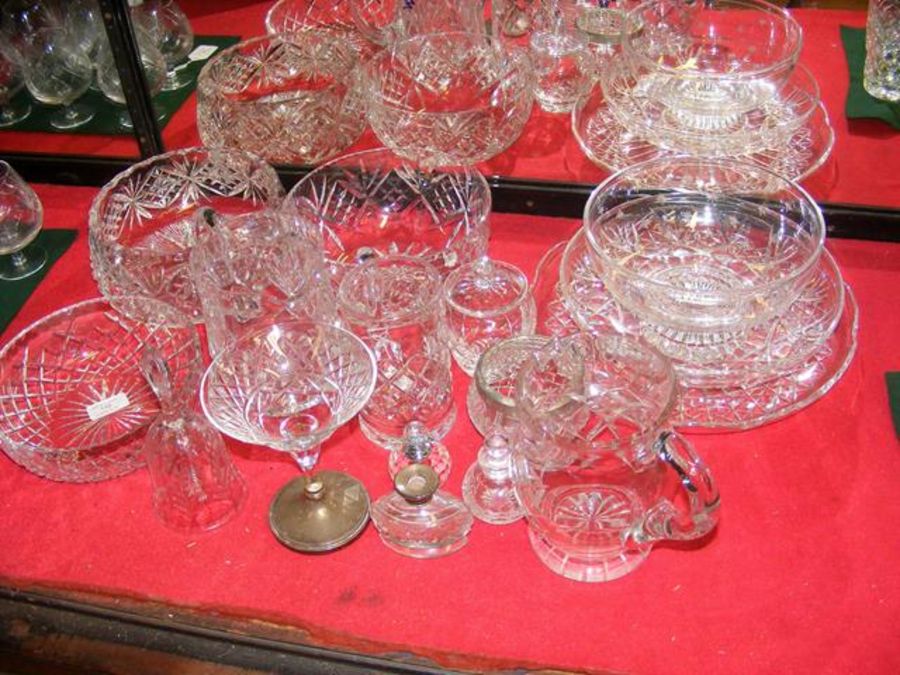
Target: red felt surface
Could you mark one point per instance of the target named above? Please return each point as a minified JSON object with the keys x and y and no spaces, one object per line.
{"x":547,"y":150}
{"x":801,"y":575}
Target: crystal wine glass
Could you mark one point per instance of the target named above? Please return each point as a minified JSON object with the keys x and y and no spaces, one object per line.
{"x":57,"y":73}
{"x":21,"y":217}
{"x":170,"y":28}
{"x":110,"y":85}
{"x":10,"y":84}
{"x":289,"y":386}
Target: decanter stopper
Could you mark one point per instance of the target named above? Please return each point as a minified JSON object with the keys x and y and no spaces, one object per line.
{"x":420,"y":447}
{"x":418,"y":519}
{"x":488,"y":489}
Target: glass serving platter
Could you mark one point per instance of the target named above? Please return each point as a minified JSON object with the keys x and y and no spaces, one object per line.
{"x":735,"y":406}
{"x":612,"y":146}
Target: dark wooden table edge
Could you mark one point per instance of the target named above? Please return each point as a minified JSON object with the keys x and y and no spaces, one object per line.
{"x":510,"y":195}
{"x":44,"y":629}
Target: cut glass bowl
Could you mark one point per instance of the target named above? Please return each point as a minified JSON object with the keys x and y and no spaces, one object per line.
{"x":684,"y":250}
{"x":373,"y":203}
{"x":448,"y":98}
{"x":764,"y":396}
{"x":291,"y":98}
{"x":294,"y":16}
{"x":612,"y":146}
{"x":768,"y":124}
{"x":142,"y":222}
{"x":74,"y":403}
{"x":759,"y":353}
{"x":712,"y":60}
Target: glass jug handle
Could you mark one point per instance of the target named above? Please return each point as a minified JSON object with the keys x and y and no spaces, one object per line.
{"x":665,"y":520}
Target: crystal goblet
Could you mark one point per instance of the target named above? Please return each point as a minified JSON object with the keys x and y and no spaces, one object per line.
{"x":110,"y":85}
{"x":289,"y":386}
{"x":10,"y":84}
{"x":170,"y":29}
{"x":21,"y":217}
{"x":58,"y":73}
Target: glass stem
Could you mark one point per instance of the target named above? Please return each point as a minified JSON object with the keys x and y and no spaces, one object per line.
{"x":306,"y":459}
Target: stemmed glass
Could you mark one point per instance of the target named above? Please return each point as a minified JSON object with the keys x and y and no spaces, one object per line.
{"x":108,"y":74}
{"x":170,"y":29}
{"x":21,"y":217}
{"x":289,"y":386}
{"x":10,"y":84}
{"x":57,"y":73}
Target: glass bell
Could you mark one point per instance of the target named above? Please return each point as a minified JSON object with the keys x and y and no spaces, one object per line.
{"x":488,"y":488}
{"x":196,"y":486}
{"x":417,"y":519}
{"x":420,"y":447}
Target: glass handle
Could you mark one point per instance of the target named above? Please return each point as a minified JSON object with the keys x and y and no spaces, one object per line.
{"x":697,"y":513}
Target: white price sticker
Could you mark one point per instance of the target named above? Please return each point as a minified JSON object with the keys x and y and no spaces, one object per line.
{"x":107,"y":406}
{"x":202,"y":52}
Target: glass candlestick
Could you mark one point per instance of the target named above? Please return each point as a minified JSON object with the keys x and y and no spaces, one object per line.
{"x":418,"y":520}
{"x":488,"y":488}
{"x":420,"y":447}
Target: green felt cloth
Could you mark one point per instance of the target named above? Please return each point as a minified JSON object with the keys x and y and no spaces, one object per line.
{"x":859,"y":102}
{"x":106,"y":119}
{"x":13,"y":294}
{"x":893,"y":387}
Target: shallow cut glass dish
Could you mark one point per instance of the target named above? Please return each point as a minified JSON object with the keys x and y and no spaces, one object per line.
{"x":141,"y":225}
{"x":448,"y":98}
{"x":74,"y":403}
{"x":709,"y":60}
{"x":682,"y":249}
{"x":290,"y":98}
{"x":373,"y":203}
{"x":769,"y":123}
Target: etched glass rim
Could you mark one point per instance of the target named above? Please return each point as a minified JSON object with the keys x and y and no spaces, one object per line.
{"x":792,"y":30}
{"x":209,"y":84}
{"x":817,"y":225}
{"x":512,"y":56}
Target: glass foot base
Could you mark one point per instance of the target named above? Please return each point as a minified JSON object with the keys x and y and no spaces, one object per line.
{"x":71,"y":117}
{"x":175,"y":81}
{"x":320,"y":512}
{"x":20,"y":265}
{"x":579,"y":564}
{"x":12,"y":114}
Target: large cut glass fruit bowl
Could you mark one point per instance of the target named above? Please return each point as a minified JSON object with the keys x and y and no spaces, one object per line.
{"x":373,"y":203}
{"x":448,"y":98}
{"x":683,"y":249}
{"x":709,"y":60}
{"x":74,"y":403}
{"x":290,"y":98}
{"x":142,"y":222}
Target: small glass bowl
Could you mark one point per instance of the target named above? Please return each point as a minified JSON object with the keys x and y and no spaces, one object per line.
{"x":291,"y":98}
{"x":680,"y":248}
{"x":448,"y":98}
{"x":486,"y":301}
{"x":709,"y":60}
{"x":74,"y":403}
{"x":141,"y":227}
{"x":373,"y":203}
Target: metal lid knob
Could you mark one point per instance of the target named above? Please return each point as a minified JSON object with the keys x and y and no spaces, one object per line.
{"x":416,"y":483}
